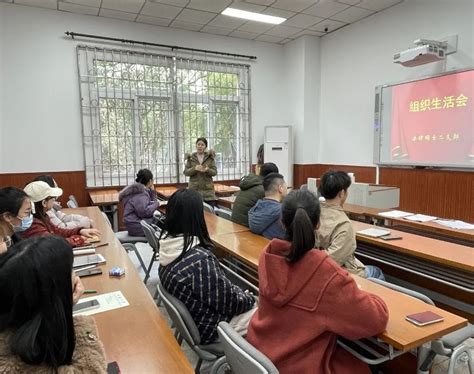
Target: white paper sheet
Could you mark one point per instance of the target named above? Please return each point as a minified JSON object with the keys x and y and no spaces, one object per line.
{"x":107,"y":301}
{"x":420,"y":218}
{"x":395,"y":214}
{"x":376,"y":233}
{"x":455,"y":224}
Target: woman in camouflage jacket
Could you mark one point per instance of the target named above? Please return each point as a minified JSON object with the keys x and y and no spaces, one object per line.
{"x":200,"y":168}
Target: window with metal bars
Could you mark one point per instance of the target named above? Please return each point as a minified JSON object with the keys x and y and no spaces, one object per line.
{"x":142,"y":110}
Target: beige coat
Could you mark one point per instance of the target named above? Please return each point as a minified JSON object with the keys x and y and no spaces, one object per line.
{"x":336,"y":236}
{"x":88,"y":356}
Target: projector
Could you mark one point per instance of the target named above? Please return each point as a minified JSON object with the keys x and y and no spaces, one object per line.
{"x":420,"y":55}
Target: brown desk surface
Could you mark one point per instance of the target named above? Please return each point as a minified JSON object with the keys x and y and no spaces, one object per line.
{"x":165,"y":192}
{"x":446,"y":253}
{"x":224,"y":190}
{"x":400,"y":333}
{"x":218,"y":225}
{"x":104,"y":197}
{"x":138,"y":337}
{"x":421,"y":226}
{"x":226,"y":201}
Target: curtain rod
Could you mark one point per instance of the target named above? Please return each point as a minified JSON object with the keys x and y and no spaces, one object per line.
{"x":172,"y":47}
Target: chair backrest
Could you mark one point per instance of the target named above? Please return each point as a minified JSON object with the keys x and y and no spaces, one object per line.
{"x":415,"y":294}
{"x":243,"y":357}
{"x":238,"y":280}
{"x":180,"y":316}
{"x":71,"y":204}
{"x":106,"y":219}
{"x":73,"y":198}
{"x":224,"y":213}
{"x":208,"y":208}
{"x":151,"y":235}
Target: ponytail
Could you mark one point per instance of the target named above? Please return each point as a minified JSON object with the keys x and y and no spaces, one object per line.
{"x":300,"y":216}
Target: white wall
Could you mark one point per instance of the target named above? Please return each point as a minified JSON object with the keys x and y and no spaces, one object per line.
{"x":302,"y":100}
{"x":357,"y":58}
{"x":39,"y":73}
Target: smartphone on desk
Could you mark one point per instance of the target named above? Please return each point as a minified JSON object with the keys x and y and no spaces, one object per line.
{"x":85,"y":306}
{"x":88,"y":272}
{"x":391,"y":237}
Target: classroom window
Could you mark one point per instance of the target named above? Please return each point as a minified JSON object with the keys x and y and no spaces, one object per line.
{"x":145,"y":110}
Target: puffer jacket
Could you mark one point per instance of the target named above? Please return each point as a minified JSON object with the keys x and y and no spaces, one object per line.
{"x":251,"y":190}
{"x":201,"y":181}
{"x":139,"y":204}
{"x":265,"y":219}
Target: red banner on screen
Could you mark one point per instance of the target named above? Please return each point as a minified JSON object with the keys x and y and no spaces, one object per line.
{"x":432,"y":120}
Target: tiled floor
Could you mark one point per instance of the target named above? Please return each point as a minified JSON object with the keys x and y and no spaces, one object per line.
{"x":440,"y":366}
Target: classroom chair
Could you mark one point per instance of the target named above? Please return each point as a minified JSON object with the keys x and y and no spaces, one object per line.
{"x":151,"y":235}
{"x":128,"y":241}
{"x":208,"y":208}
{"x":451,"y":345}
{"x":240,"y":355}
{"x":224,"y":213}
{"x":186,"y":329}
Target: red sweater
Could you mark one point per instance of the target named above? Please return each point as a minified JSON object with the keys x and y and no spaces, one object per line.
{"x":39,"y":228}
{"x":304,"y":306}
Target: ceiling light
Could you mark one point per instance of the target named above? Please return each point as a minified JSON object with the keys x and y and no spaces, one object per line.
{"x":253,"y":16}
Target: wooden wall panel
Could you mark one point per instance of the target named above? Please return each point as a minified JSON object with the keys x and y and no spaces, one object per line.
{"x":447,"y":194}
{"x":72,"y":182}
{"x":442,"y":193}
{"x":301,"y":173}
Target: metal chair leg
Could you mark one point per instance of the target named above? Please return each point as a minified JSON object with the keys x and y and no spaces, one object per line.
{"x":147,"y":274}
{"x":197,"y":369}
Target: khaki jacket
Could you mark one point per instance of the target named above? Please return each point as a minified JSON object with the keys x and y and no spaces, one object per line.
{"x":88,"y":356}
{"x":336,"y":236}
{"x":202,"y":182}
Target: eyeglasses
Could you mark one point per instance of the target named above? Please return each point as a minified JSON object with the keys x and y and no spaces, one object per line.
{"x":7,"y":240}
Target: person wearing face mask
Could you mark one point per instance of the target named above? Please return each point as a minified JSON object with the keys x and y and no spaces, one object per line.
{"x":15,"y":212}
{"x":43,"y":197}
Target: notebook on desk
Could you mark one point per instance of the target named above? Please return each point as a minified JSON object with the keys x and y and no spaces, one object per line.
{"x":374,"y":233}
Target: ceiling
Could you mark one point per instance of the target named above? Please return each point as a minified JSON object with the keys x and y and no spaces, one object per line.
{"x":304,"y":17}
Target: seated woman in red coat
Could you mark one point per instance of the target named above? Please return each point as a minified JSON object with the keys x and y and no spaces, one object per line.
{"x":43,"y":196}
{"x":307,"y":300}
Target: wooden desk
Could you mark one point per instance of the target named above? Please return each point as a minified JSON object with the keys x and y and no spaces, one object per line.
{"x":224,"y":190}
{"x":438,"y":251}
{"x":165,"y":192}
{"x":218,"y":225}
{"x":104,"y":197}
{"x":430,"y":229}
{"x":138,"y":336}
{"x":400,"y":334}
{"x":226,"y":201}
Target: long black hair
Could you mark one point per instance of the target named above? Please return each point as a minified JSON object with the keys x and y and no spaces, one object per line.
{"x":36,"y":294}
{"x":185,"y":217}
{"x":300,"y":216}
{"x":47,"y":179}
{"x":11,"y":200}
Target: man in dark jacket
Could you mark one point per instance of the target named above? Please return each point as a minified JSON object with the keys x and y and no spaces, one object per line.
{"x":251,"y":190}
{"x":265,"y":216}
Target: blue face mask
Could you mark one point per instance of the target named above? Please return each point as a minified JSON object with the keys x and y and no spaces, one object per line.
{"x":26,"y":223}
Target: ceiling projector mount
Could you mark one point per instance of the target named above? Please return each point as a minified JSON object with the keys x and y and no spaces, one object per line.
{"x":426,"y":51}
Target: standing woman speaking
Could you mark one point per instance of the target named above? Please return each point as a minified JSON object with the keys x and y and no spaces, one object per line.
{"x":200,"y":168}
